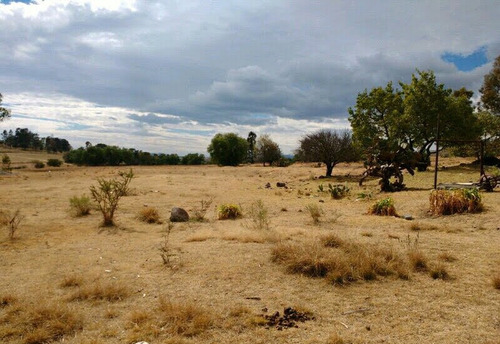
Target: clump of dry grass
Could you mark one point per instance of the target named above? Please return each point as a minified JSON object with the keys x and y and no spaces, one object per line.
{"x":11,"y":221}
{"x":447,"y":257}
{"x":444,"y":202}
{"x":315,"y":212}
{"x":439,"y":271}
{"x":200,"y":212}
{"x":496,"y":281}
{"x":344,"y":264}
{"x":332,"y":240}
{"x":418,"y":260}
{"x":169,"y":319}
{"x":98,"y":291}
{"x":32,"y":323}
{"x":71,"y":281}
{"x":383,"y":207}
{"x":149,"y":215}
{"x":418,"y":226}
{"x":80,"y":206}
{"x":229,"y":211}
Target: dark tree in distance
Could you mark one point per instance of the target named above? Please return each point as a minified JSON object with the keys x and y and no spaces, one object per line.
{"x":4,"y":113}
{"x":267,"y":150}
{"x":329,"y":147}
{"x":251,"y":139}
{"x":490,"y":91}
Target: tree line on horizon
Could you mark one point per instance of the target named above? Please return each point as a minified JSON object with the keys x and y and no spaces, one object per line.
{"x":393,"y":130}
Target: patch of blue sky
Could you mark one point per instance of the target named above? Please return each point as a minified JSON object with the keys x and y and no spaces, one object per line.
{"x":466,"y":63}
{"x":6,"y":2}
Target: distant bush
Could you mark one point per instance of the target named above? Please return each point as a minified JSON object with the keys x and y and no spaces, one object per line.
{"x":6,"y":162}
{"x":384,"y":207}
{"x":193,"y":159}
{"x":338,"y":191}
{"x":80,"y":206}
{"x":444,"y":202}
{"x":54,"y":162}
{"x":149,"y":215}
{"x":228,"y":211}
{"x":39,"y":164}
{"x":315,"y":212}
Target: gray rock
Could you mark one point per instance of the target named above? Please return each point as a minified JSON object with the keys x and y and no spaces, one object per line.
{"x":408,"y":217}
{"x":179,"y":215}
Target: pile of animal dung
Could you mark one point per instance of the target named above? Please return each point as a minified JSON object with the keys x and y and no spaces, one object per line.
{"x":289,"y":318}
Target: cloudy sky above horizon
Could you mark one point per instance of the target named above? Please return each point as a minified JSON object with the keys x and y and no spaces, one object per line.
{"x":165,"y":76}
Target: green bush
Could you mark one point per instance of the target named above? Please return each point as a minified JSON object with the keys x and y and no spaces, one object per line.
{"x":384,"y":207}
{"x":54,"y":162}
{"x":338,"y":191}
{"x":228,"y":211}
{"x":39,"y":164}
{"x":80,"y":206}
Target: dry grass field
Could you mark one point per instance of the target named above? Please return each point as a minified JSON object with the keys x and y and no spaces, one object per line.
{"x":361,"y":278}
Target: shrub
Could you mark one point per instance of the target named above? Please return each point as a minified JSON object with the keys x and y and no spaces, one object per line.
{"x":444,"y":202}
{"x":384,"y":207}
{"x":111,"y":292}
{"x":439,"y":272}
{"x":80,"y":206}
{"x":11,"y":221}
{"x":6,"y":162}
{"x":108,"y":193}
{"x":315,"y":212}
{"x":332,"y":240}
{"x":338,"y":191}
{"x":200,"y":212}
{"x":228,"y":211}
{"x":54,"y":162}
{"x":39,"y":164}
{"x":149,"y":215}
{"x":259,"y":215}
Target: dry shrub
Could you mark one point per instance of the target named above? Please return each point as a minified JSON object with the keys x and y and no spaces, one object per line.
{"x":384,"y":207}
{"x":111,"y":292}
{"x":149,"y":215}
{"x":169,"y":319}
{"x":228,"y":211}
{"x":496,"y":281}
{"x":11,"y":221}
{"x":439,"y":271}
{"x":80,"y":206}
{"x":315,"y":212}
{"x":348,"y":263}
{"x":444,"y":202}
{"x":259,"y":215}
{"x":418,"y":260}
{"x":71,"y":281}
{"x":32,"y":323}
{"x":200,"y":212}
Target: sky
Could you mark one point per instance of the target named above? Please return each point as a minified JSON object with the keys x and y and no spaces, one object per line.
{"x":166,"y":76}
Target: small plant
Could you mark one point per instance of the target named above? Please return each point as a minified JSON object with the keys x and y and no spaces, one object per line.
{"x":39,"y":164}
{"x":11,"y":221}
{"x":228,"y":211}
{"x":149,"y":215}
{"x":384,"y":207}
{"x":321,"y":188}
{"x":166,"y":252}
{"x":315,"y":212}
{"x":80,"y":206}
{"x":54,"y":163}
{"x":200,"y":212}
{"x":259,"y":215}
{"x":365,"y":195}
{"x":338,"y":191}
{"x":444,"y":202}
{"x":439,"y":272}
{"x":108,"y":193}
{"x":6,"y":162}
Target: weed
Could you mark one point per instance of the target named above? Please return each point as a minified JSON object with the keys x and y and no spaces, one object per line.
{"x":417,"y":259}
{"x":29,"y":323}
{"x":365,"y":196}
{"x":108,"y":193}
{"x":315,"y":212}
{"x":11,"y":221}
{"x":6,"y":163}
{"x":259,"y":215}
{"x":384,"y":207}
{"x":111,"y":292}
{"x":200,"y":212}
{"x":54,"y":162}
{"x":331,"y":240}
{"x":71,"y":281}
{"x":444,"y":202}
{"x":149,"y":215}
{"x":228,"y":211}
{"x":80,"y":206}
{"x":166,"y":252}
{"x":338,"y":191}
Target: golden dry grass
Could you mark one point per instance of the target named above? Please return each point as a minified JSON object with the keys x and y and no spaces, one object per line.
{"x":227,"y":272}
{"x":149,"y":215}
{"x":444,"y":202}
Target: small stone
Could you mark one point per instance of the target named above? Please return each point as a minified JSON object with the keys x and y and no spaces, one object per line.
{"x":321,"y":201}
{"x":408,"y":217}
{"x":179,"y":215}
{"x":281,"y":185}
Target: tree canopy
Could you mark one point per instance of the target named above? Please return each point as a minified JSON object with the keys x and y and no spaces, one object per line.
{"x":228,"y":149}
{"x":268,"y":151}
{"x":490,"y":91}
{"x":327,"y":146}
{"x":4,"y":113}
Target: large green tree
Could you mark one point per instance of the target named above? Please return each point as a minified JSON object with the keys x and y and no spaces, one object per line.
{"x":228,"y":149}
{"x":4,"y":113}
{"x":490,"y":91}
{"x":267,"y":150}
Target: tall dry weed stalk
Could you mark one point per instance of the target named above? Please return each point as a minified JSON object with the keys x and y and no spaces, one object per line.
{"x":11,"y":221}
{"x":200,"y":212}
{"x":259,"y":215}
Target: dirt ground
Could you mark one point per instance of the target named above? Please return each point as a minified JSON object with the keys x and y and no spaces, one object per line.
{"x":224,"y":269}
